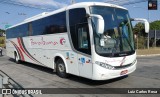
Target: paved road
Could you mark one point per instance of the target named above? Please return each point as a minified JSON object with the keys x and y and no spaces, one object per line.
{"x":28,"y":75}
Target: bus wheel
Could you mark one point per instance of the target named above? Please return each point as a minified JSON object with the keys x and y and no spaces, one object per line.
{"x":61,"y":69}
{"x":16,"y":58}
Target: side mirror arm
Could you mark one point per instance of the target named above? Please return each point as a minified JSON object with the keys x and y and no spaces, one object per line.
{"x":146,"y":23}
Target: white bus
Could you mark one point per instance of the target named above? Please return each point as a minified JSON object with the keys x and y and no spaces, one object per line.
{"x":91,"y":39}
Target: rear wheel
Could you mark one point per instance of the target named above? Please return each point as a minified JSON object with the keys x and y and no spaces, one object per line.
{"x":61,"y":69}
{"x":16,"y":58}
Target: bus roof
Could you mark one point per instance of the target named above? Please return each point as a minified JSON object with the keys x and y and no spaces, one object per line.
{"x":76,"y":5}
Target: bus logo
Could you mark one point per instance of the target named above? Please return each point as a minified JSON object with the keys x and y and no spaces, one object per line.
{"x":62,"y":41}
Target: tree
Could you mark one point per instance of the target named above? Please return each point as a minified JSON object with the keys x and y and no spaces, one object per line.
{"x":2,"y":39}
{"x":155,"y":25}
{"x":139,"y":31}
{"x":1,"y":32}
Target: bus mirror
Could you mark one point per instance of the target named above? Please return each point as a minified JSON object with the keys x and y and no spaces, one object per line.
{"x":146,"y":27}
{"x":99,"y":23}
{"x":146,"y":23}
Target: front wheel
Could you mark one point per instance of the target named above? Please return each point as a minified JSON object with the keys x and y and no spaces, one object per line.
{"x":61,"y":69}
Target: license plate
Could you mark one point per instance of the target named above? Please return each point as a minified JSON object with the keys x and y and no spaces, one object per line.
{"x":124,"y":72}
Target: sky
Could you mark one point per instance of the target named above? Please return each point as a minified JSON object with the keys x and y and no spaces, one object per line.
{"x":15,"y":11}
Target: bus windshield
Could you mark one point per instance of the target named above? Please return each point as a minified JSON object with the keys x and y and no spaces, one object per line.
{"x":117,"y":39}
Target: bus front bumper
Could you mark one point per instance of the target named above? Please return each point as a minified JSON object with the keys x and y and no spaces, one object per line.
{"x":100,"y":73}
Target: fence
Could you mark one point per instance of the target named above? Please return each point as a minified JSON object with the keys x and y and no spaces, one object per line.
{"x":154,"y":36}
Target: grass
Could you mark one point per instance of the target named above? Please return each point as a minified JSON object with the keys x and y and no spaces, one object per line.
{"x":2,"y":45}
{"x":2,"y":38}
{"x":155,"y":50}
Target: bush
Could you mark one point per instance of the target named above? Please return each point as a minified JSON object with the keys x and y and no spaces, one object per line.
{"x":141,"y":42}
{"x":2,"y":41}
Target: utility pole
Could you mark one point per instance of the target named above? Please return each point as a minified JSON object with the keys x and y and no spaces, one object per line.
{"x":73,"y":1}
{"x":148,"y":32}
{"x":152,"y":5}
{"x":155,"y":37}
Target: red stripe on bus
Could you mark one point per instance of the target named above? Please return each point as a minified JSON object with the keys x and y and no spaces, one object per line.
{"x":22,"y":47}
{"x":20,"y":52}
{"x":19,"y":42}
{"x":122,"y":61}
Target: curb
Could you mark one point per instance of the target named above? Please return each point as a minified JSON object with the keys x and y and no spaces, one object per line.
{"x":148,"y":55}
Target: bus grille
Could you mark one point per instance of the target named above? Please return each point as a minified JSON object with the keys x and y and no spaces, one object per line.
{"x":125,"y":66}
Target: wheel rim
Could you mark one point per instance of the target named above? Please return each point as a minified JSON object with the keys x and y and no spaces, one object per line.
{"x":61,"y":68}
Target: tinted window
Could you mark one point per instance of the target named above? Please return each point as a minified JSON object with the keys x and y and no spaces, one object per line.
{"x":50,"y":25}
{"x":19,"y":31}
{"x":8,"y":33}
{"x":23,"y":30}
{"x":30,"y":29}
{"x":79,"y":30}
{"x":56,"y":23}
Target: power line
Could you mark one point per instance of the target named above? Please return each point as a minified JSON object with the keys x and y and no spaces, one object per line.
{"x":22,"y":4}
{"x":125,"y":2}
{"x":135,"y":2}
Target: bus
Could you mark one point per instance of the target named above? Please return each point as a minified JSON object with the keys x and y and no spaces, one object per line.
{"x":93,"y":40}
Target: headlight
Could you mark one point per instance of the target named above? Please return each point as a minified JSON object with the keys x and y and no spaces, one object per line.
{"x":134,"y":62}
{"x":107,"y":66}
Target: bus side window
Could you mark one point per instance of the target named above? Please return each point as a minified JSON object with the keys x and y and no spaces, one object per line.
{"x":30,"y":30}
{"x":79,"y":30}
{"x":82,"y":38}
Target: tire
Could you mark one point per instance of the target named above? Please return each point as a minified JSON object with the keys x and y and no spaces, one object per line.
{"x":17,"y":58}
{"x":61,"y":69}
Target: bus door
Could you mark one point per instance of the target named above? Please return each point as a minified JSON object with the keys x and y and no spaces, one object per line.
{"x":84,"y":48}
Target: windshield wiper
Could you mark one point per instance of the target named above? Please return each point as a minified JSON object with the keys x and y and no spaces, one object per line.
{"x":124,"y":23}
{"x":127,"y":41}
